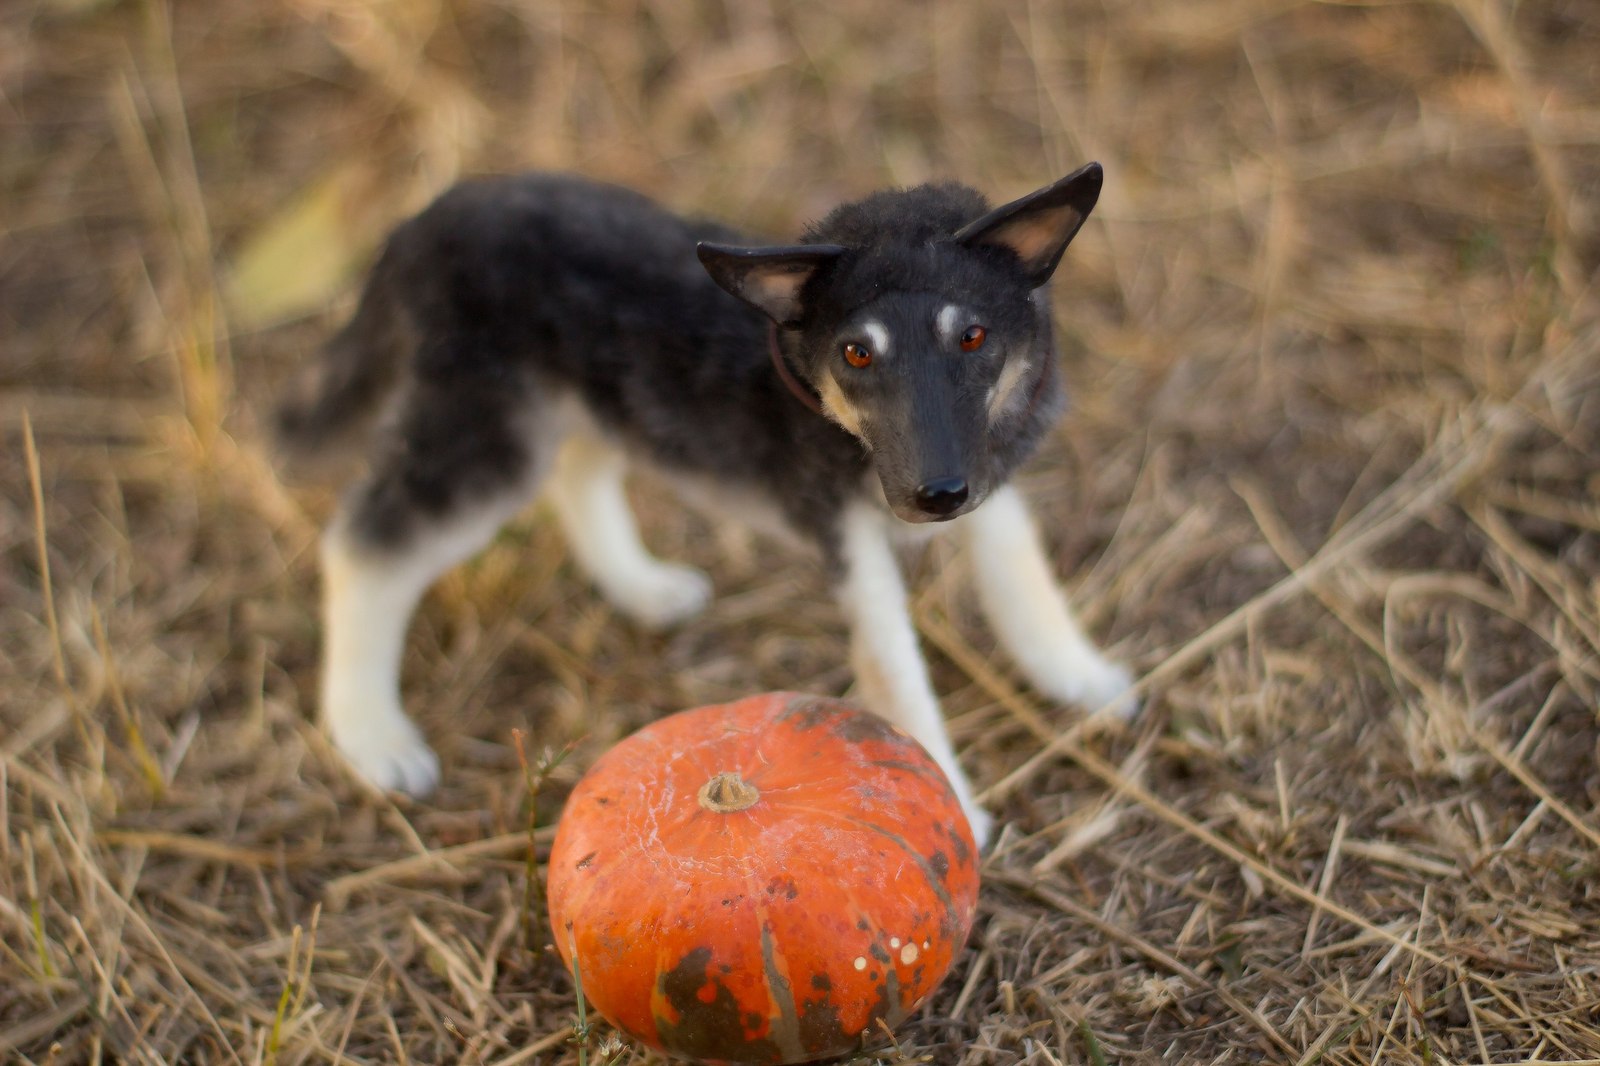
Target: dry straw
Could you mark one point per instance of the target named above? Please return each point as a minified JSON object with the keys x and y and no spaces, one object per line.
{"x":1330,"y":483}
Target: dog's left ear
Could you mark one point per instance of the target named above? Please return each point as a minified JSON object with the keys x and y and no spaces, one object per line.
{"x":768,"y":279}
{"x":1039,"y":226}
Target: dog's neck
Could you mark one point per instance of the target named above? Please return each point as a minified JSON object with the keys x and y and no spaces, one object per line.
{"x":785,"y":375}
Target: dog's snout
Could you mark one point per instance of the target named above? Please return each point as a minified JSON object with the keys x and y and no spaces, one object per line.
{"x":942,"y":496}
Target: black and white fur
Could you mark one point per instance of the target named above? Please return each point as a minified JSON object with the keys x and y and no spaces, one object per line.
{"x":539,"y":333}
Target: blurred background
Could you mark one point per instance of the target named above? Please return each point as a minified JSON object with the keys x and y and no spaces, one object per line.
{"x":1329,"y":482}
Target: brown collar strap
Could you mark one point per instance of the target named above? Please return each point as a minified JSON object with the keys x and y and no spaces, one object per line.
{"x":785,"y":375}
{"x":814,"y":402}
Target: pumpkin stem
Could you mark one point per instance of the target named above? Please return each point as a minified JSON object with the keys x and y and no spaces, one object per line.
{"x":728,"y":792}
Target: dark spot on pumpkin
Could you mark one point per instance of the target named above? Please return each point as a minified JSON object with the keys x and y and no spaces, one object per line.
{"x":821,"y":1032}
{"x":920,"y":769}
{"x":959,"y":846}
{"x":888,"y":1006}
{"x":586,"y":860}
{"x":809,"y":712}
{"x":602,"y":800}
{"x":877,"y":952}
{"x":706,"y":1030}
{"x":862,"y":727}
{"x":785,"y":885}
{"x":820,"y":982}
{"x":950,"y":926}
{"x":940,"y":864}
{"x":861,"y":924}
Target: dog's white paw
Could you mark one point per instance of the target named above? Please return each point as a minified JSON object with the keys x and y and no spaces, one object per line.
{"x":1098,"y":685}
{"x":386,"y":750}
{"x":1108,"y":690}
{"x":664,"y":595}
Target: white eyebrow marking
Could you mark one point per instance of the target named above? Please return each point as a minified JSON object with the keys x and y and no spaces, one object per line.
{"x":949,"y":318}
{"x":877,"y":336}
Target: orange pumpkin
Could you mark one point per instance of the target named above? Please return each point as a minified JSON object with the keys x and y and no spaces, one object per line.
{"x":760,"y":881}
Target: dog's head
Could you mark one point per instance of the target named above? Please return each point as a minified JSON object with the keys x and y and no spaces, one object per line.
{"x":920,"y":318}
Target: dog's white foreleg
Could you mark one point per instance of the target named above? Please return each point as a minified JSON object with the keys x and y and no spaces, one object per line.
{"x":368,"y":596}
{"x":890,"y":672}
{"x":587,"y":491}
{"x":1029,"y":612}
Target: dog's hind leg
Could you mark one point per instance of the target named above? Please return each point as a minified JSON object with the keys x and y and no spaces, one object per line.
{"x":454,"y":470}
{"x":1029,"y":612}
{"x":586,"y":488}
{"x":890,"y":672}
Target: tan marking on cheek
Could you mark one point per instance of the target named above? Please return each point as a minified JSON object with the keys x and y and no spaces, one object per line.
{"x":1006,"y":388}
{"x":840,"y":409}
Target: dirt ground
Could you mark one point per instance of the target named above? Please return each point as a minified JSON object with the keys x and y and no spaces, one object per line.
{"x":1330,"y":484}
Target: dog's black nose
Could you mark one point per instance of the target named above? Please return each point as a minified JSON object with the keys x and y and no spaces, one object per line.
{"x":942,"y":496}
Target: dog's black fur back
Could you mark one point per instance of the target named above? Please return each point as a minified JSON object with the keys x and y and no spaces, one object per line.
{"x":506,"y":285}
{"x":509,"y":290}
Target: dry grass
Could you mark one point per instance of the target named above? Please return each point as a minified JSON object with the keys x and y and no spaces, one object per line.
{"x":1331,"y":484}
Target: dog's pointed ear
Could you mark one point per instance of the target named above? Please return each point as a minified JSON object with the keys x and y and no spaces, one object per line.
{"x":768,"y":279}
{"x":1039,"y":226}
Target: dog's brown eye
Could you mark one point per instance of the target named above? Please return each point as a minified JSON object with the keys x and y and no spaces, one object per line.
{"x":972,"y":339}
{"x":857,"y":355}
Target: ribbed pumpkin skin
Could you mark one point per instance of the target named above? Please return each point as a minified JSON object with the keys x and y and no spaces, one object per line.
{"x":776,"y":933}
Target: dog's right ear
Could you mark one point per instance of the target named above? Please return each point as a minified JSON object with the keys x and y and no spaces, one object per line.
{"x":1039,"y":226}
{"x":768,"y":279}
